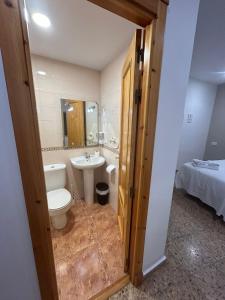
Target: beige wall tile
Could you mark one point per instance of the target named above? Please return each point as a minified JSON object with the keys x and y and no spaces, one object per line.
{"x":65,"y":81}
{"x":111,"y":98}
{"x":68,"y":81}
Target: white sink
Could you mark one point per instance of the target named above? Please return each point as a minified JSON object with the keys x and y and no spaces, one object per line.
{"x":81,"y":162}
{"x":88,"y":165}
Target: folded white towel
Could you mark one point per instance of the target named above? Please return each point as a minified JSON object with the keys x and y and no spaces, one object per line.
{"x":206,"y":167}
{"x":208,"y":164}
{"x":211,"y":163}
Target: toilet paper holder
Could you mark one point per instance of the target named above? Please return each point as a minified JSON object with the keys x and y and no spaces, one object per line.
{"x":110,"y":169}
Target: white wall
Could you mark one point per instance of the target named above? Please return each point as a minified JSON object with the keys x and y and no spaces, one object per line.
{"x":18,"y":278}
{"x":178,"y":47}
{"x":199,"y":105}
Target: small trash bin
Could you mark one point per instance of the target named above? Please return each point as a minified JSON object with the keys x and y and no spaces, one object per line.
{"x":102,"y":191}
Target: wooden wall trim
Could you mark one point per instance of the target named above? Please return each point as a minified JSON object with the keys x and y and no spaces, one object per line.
{"x":129,"y":10}
{"x":145,"y":139}
{"x":140,"y":12}
{"x":17,"y":68}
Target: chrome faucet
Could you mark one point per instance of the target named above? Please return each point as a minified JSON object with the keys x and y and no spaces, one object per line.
{"x":87,"y":155}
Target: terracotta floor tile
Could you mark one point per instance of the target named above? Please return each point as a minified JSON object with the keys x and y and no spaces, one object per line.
{"x":81,"y":236}
{"x":66,"y":280}
{"x":93,"y":209}
{"x":88,"y":251}
{"x":81,"y":275}
{"x":112,"y":257}
{"x":105,"y":226}
{"x":78,"y":210}
{"x":90,"y":271}
{"x":96,"y":208}
{"x":61,"y":248}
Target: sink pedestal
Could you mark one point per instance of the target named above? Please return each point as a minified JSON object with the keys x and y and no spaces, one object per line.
{"x":88,"y":165}
{"x":89,"y":186}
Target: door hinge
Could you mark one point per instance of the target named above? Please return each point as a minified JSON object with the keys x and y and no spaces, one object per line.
{"x":140,"y":55}
{"x":137,"y":96}
{"x":131,"y":192}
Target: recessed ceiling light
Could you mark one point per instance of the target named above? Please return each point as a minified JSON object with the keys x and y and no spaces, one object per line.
{"x":42,"y":73}
{"x":41,"y":20}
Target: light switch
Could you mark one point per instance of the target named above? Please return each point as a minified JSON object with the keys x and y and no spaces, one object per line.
{"x":189,"y":118}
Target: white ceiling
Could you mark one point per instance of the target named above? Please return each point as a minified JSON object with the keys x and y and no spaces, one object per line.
{"x":208,"y":62}
{"x":81,"y":32}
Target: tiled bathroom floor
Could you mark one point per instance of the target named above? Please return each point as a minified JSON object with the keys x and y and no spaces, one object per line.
{"x":88,"y":252}
{"x":195,"y":266}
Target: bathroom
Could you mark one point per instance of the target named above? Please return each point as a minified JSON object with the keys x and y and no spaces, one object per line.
{"x":78,"y":101}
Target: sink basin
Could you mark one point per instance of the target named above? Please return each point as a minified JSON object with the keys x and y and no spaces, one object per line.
{"x":81,"y":162}
{"x":88,"y":165}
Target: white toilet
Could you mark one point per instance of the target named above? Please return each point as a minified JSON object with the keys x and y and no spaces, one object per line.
{"x":59,"y":199}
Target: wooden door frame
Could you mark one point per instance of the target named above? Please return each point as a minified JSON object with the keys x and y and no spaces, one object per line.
{"x":152,"y":14}
{"x":19,"y":82}
{"x":145,"y":139}
{"x":14,"y":46}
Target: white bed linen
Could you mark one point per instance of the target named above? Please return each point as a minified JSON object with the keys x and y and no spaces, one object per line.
{"x":205,"y":184}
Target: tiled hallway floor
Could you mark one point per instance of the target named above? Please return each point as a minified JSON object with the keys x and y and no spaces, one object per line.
{"x":195,"y":266}
{"x":88,"y":252}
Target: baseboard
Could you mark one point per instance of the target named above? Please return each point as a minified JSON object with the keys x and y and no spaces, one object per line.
{"x":154,"y":266}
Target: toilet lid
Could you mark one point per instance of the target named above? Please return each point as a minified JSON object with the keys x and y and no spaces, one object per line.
{"x":58,"y":199}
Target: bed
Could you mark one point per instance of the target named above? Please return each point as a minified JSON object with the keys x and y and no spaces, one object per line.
{"x":205,"y":184}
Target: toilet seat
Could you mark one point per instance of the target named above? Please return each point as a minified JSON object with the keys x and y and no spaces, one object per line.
{"x":58,"y":199}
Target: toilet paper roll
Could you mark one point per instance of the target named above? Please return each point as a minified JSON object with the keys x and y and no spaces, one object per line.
{"x":110,"y":169}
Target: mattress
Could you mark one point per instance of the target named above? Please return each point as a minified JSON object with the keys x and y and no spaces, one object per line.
{"x":205,"y":184}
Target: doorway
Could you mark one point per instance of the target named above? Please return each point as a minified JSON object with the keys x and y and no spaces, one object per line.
{"x":37,"y":194}
{"x":79,"y":97}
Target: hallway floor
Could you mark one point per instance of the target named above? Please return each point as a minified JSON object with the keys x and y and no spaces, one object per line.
{"x":195,"y":265}
{"x":88,"y":252}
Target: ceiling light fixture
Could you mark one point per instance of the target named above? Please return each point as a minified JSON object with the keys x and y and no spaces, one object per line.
{"x":69,"y":107}
{"x":41,"y":20}
{"x":42,"y":73}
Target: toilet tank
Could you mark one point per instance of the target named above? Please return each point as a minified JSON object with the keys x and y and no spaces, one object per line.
{"x":55,"y":176}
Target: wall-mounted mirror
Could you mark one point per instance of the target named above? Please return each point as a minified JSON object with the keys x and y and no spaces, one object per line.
{"x":80,"y":123}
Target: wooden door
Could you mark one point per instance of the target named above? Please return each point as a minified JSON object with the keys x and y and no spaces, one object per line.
{"x":130,"y":87}
{"x":75,"y":124}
